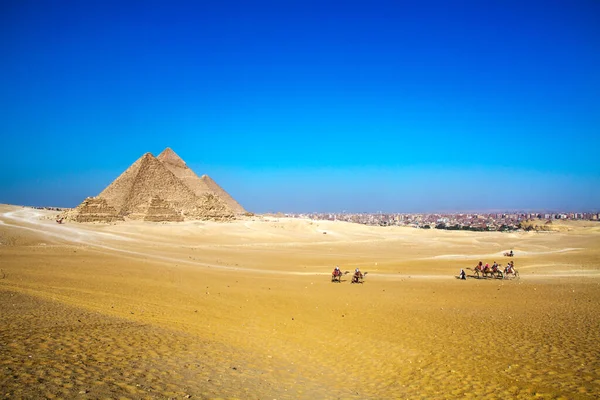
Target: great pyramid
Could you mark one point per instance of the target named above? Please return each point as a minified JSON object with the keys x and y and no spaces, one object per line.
{"x":156,"y":190}
{"x":200,"y":186}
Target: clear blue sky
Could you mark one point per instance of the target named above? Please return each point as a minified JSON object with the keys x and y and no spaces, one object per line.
{"x":307,"y":105}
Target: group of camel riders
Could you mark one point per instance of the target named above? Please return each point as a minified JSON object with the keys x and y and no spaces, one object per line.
{"x":484,"y":269}
{"x":355,"y":278}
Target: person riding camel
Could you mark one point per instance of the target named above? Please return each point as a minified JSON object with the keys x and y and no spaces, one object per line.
{"x":510,"y":267}
{"x":336,"y":271}
{"x":357,"y":275}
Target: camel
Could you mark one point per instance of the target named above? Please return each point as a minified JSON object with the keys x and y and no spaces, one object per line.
{"x":478,"y":271}
{"x":358,"y":277}
{"x":497,"y":272}
{"x":510,"y":270}
{"x":336,"y":275}
{"x":484,"y":272}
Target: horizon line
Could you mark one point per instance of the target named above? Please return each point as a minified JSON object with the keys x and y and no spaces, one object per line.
{"x":492,"y":211}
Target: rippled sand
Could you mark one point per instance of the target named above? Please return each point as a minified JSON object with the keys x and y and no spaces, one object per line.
{"x":247,"y":310}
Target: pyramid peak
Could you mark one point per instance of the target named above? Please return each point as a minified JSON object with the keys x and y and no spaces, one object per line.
{"x":170,"y":157}
{"x":145,"y":159}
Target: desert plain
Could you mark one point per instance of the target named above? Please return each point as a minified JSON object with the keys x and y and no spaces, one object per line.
{"x":246,"y":309}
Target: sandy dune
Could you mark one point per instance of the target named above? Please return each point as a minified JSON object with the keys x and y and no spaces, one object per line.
{"x":245,"y":309}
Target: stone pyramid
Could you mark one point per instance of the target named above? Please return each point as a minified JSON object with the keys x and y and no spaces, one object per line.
{"x":215,"y":188}
{"x":179,"y":168}
{"x":131,"y":192}
{"x":94,"y":209}
{"x":160,"y":210}
{"x":200,"y":186}
{"x":148,"y":190}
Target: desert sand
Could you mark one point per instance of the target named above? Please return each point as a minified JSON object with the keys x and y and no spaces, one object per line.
{"x":245,"y":309}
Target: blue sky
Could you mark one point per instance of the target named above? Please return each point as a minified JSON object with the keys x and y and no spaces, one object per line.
{"x":308,"y":105}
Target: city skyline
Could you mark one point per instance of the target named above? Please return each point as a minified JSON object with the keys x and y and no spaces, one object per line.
{"x":504,"y":222}
{"x":308,"y":106}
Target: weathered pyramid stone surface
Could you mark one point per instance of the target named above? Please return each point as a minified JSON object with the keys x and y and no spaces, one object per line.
{"x":179,"y":168}
{"x":160,"y":210}
{"x":131,"y":192}
{"x":199,"y":186}
{"x":168,"y":156}
{"x":116,"y":193}
{"x":156,"y":190}
{"x":95,"y":209}
{"x":213,"y":207}
{"x":215,"y":188}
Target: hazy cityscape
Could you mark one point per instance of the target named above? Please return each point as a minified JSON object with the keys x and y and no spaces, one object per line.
{"x":508,"y":221}
{"x":453,"y":221}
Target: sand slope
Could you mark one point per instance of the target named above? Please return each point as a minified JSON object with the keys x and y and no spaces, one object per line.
{"x":245,"y":309}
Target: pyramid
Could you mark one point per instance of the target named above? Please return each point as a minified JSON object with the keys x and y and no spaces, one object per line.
{"x":168,"y":156}
{"x":199,"y":186}
{"x":131,"y":192}
{"x":179,"y":168}
{"x":213,"y":207}
{"x":160,"y":210}
{"x":94,"y":209}
{"x":148,"y":190}
{"x":215,"y":188}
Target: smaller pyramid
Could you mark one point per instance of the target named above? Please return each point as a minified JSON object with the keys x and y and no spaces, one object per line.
{"x":160,"y":210}
{"x":95,"y":209}
{"x":213,"y":207}
{"x":215,"y":188}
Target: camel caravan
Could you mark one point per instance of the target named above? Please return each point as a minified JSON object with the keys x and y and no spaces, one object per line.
{"x":357,"y":277}
{"x":495,"y":271}
{"x":481,"y":271}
